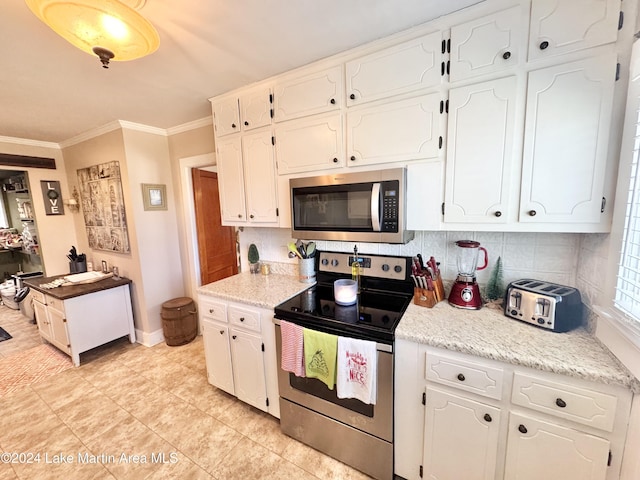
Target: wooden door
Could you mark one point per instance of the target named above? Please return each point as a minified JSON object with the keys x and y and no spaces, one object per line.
{"x":216,"y":244}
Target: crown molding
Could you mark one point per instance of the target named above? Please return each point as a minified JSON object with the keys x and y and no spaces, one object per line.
{"x":96,"y":132}
{"x":30,"y":143}
{"x":185,"y":127}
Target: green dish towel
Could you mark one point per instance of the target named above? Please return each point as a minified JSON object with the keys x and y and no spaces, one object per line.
{"x":320,"y":356}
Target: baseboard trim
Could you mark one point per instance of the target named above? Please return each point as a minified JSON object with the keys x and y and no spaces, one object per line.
{"x":149,"y":339}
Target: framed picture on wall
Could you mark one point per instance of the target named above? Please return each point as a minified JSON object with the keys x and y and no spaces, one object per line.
{"x":154,"y":196}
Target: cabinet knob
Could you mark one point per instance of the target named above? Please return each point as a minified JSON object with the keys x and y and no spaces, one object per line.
{"x":234,"y":336}
{"x":353,"y":158}
{"x":211,"y":310}
{"x":544,"y":45}
{"x":352,"y":96}
{"x":239,"y":215}
{"x":242,"y":319}
{"x":221,"y":332}
{"x":532,"y":213}
{"x":522,"y":429}
{"x":506,"y":55}
{"x":461,"y":377}
{"x":487,"y":417}
{"x":561,"y":403}
{"x":332,"y":101}
{"x":246,"y":123}
{"x":335,"y":160}
{"x":498,"y":213}
{"x":250,"y":216}
{"x":233,"y":125}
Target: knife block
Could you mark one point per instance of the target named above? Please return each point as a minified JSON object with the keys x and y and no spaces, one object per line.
{"x":424,"y":297}
{"x":439,"y":288}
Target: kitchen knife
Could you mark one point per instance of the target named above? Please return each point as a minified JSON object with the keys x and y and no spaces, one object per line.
{"x":421,"y":262}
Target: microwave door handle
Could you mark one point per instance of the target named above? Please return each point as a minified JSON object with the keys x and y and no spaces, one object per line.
{"x":375,"y":207}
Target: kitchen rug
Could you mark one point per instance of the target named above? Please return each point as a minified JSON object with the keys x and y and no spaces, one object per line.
{"x":4,"y":335}
{"x":31,"y":366}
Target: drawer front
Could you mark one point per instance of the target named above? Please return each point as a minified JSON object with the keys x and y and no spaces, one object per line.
{"x":55,"y":303}
{"x":244,"y":317}
{"x":38,"y":296}
{"x":473,"y":377}
{"x":588,"y":407}
{"x":212,"y":309}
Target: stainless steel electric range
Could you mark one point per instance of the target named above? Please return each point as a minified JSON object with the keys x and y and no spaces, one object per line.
{"x":358,"y":434}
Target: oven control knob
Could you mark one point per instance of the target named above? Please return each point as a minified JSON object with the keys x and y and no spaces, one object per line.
{"x":325,"y":262}
{"x":385,"y":267}
{"x":397,"y":269}
{"x":334,"y":263}
{"x":541,"y":321}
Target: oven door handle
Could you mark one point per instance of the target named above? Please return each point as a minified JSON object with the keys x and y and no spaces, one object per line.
{"x":381,"y":347}
{"x":375,"y":207}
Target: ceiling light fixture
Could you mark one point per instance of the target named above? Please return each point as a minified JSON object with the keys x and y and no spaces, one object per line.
{"x":107,"y":28}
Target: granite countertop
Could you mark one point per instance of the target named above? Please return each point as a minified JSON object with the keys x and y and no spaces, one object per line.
{"x":265,"y":291}
{"x":490,"y":334}
{"x":70,"y":291}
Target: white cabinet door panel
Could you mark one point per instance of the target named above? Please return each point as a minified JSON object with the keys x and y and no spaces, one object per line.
{"x":480,"y":151}
{"x":255,"y":109}
{"x":565,"y":150}
{"x":231,"y":180}
{"x":248,"y":369}
{"x":260,"y":178}
{"x":309,"y":95}
{"x":402,"y":68}
{"x":461,"y":438}
{"x":486,"y":45}
{"x":394,"y":132}
{"x":218,"y":355}
{"x":537,"y":450}
{"x":226,"y":116}
{"x":562,"y":26}
{"x":309,"y":144}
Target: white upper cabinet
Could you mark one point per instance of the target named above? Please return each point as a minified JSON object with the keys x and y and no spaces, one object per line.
{"x":310,"y":94}
{"x":565,"y":148}
{"x":231,"y":180}
{"x":407,"y":67}
{"x":234,"y":114}
{"x":486,"y":45}
{"x":480,"y":152}
{"x":562,"y":26}
{"x":260,"y":178}
{"x":308,"y":144}
{"x":395,"y":131}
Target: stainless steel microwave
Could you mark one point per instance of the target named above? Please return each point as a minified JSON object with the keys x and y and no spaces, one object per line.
{"x":357,"y":207}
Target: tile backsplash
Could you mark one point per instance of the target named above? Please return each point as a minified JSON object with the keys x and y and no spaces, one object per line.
{"x":544,"y":256}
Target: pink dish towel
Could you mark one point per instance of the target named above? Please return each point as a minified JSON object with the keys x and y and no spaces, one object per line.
{"x":292,"y":348}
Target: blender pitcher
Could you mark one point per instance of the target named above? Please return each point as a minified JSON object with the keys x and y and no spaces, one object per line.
{"x":465,"y":292}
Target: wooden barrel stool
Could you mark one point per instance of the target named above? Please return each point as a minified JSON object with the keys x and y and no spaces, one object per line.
{"x":179,"y":321}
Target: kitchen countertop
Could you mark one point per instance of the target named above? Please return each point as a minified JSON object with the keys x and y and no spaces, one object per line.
{"x":488,"y":333}
{"x":265,"y":291}
{"x":70,"y":291}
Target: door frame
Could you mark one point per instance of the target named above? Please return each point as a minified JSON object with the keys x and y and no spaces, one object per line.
{"x":189,"y":214}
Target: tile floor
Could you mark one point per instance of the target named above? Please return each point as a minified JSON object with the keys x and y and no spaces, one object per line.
{"x":128,"y":400}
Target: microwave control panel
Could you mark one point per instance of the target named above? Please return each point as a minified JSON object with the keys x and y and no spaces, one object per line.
{"x":390,"y":206}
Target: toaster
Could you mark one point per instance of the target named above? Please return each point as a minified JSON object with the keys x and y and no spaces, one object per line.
{"x":555,"y":307}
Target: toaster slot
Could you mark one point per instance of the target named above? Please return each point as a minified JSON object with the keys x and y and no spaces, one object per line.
{"x":515,"y":300}
{"x":543,"y":307}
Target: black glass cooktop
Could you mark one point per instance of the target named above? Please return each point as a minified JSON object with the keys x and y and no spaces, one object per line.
{"x":374,"y":316}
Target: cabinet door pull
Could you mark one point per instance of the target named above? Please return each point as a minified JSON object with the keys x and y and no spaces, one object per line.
{"x":487,"y":417}
{"x":211,"y":310}
{"x":250,"y":216}
{"x":332,"y":101}
{"x":532,"y":213}
{"x":498,"y":213}
{"x":544,"y":45}
{"x":233,"y":125}
{"x":522,"y":429}
{"x":246,"y":123}
{"x":242,"y":318}
{"x":352,"y":96}
{"x":239,"y":215}
{"x":461,"y":377}
{"x":506,"y":55}
{"x":335,"y":160}
{"x":221,"y":332}
{"x":561,"y":403}
{"x":353,"y":158}
{"x":234,"y":336}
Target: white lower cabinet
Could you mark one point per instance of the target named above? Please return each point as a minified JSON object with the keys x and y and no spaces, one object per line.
{"x":462,"y":417}
{"x":240,"y":351}
{"x":460,"y":437}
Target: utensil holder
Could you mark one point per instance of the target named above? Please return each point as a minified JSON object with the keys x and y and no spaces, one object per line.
{"x":424,"y":297}
{"x":307,"y":270}
{"x":439,"y":288}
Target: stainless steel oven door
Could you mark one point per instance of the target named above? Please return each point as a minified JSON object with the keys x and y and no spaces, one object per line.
{"x":311,"y":393}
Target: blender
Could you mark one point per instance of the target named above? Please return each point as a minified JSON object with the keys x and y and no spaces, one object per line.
{"x":465,"y":292}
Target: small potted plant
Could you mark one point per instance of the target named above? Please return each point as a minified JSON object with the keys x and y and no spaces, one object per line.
{"x":254,"y":258}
